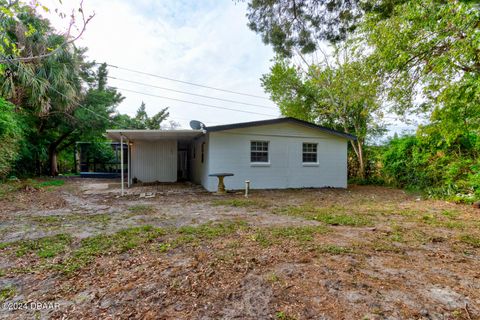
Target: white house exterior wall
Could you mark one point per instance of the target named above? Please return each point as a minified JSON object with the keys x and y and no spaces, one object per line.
{"x":229,"y":151}
{"x":199,"y":169}
{"x":154,"y":161}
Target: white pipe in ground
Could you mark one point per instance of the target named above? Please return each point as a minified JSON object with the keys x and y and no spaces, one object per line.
{"x":247,"y":188}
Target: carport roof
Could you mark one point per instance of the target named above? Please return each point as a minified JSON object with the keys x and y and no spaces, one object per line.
{"x":152,"y":135}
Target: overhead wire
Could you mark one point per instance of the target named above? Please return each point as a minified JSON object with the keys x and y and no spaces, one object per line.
{"x":185,"y":82}
{"x":195,"y":103}
{"x":192,"y":94}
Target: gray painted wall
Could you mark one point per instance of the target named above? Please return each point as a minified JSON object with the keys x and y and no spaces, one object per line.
{"x":229,"y":151}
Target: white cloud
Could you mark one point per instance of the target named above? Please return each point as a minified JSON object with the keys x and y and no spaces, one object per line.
{"x":202,"y":42}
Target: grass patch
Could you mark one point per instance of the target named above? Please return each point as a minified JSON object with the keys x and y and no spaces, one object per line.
{"x":9,"y":187}
{"x":49,"y":183}
{"x":141,"y":209}
{"x":119,"y":242}
{"x":7,"y":293}
{"x":275,"y":235}
{"x":46,"y":247}
{"x":435,"y":221}
{"x":471,"y":240}
{"x":334,"y":249}
{"x":241,"y":203}
{"x":212,"y":230}
{"x":334,"y":216}
{"x":280,"y":315}
{"x":46,"y":219}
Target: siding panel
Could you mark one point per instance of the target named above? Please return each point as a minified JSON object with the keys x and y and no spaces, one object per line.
{"x":155,"y":161}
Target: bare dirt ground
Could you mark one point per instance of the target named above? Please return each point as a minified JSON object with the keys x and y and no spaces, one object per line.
{"x":79,"y":251}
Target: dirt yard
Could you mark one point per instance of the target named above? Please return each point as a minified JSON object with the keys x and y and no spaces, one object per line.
{"x":76,"y":250}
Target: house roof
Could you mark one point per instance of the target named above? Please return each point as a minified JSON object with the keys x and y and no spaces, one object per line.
{"x":281,"y":120}
{"x":152,"y":135}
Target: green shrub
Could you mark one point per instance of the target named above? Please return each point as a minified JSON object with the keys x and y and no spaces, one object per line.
{"x":10,"y":135}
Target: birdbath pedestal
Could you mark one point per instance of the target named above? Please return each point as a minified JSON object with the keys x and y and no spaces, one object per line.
{"x":221,"y":185}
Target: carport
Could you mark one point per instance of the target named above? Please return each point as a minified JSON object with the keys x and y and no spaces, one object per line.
{"x":155,"y":155}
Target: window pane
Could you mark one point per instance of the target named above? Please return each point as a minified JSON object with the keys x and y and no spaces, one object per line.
{"x":309,"y":152}
{"x":259,"y":151}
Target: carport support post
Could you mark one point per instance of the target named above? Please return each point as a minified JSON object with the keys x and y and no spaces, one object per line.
{"x":128,"y":163}
{"x":121,"y":162}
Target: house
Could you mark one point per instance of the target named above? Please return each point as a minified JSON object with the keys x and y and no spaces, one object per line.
{"x":276,"y":153}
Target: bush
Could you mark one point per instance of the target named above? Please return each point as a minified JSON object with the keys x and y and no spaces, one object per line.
{"x":10,"y":136}
{"x":440,"y":170}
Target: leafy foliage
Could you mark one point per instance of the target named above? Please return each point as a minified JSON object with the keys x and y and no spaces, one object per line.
{"x":10,"y":136}
{"x":342,"y":95}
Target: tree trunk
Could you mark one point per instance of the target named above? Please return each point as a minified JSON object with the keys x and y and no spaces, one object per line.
{"x":52,"y":159}
{"x":53,"y":152}
{"x":361,"y":161}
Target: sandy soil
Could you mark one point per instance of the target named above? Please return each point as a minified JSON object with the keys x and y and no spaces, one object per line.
{"x":361,"y":253}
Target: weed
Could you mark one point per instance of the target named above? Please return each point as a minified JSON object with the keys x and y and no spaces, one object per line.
{"x":49,"y":183}
{"x":7,"y":293}
{"x":273,"y":277}
{"x":334,"y":249}
{"x":46,"y":247}
{"x":269,"y":236}
{"x":119,"y":242}
{"x":471,"y":240}
{"x":332,"y":216}
{"x":283,"y":316}
{"x":242,"y":203}
{"x":452,"y":214}
{"x":46,"y":219}
{"x":212,"y":230}
{"x":141,"y":209}
{"x":164,"y":247}
{"x":262,"y":239}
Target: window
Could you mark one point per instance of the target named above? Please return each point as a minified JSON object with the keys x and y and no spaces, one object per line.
{"x":309,"y":153}
{"x":259,"y":151}
{"x":203,"y":151}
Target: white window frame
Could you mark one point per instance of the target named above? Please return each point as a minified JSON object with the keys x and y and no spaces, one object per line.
{"x":310,"y":163}
{"x":260,"y":163}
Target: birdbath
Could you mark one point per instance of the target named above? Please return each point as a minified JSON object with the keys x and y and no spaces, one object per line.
{"x":221,"y":176}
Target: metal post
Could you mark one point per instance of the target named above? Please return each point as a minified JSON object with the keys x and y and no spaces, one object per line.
{"x":128,"y":165}
{"x":121,"y":162}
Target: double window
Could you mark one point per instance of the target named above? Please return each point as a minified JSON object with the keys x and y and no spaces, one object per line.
{"x":259,"y":151}
{"x":309,"y":153}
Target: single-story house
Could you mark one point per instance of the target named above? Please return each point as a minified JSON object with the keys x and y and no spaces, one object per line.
{"x":271,"y":154}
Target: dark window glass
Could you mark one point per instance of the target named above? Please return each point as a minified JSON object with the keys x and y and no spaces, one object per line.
{"x":309,"y":153}
{"x":203,"y":151}
{"x":259,"y":151}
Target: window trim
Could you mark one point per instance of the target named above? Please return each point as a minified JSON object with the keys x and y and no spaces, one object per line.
{"x":260,"y":163}
{"x":310,"y":163}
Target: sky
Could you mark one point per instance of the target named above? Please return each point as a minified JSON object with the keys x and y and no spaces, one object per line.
{"x":205,"y":42}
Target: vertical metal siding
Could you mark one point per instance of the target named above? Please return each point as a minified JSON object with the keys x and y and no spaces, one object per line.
{"x":155,"y":161}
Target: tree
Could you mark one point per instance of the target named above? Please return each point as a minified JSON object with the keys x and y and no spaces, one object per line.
{"x":143,"y":121}
{"x":299,"y":26}
{"x":424,"y":48}
{"x":341,"y":95}
{"x":10,"y":134}
{"x":11,"y":10}
{"x":60,"y":97}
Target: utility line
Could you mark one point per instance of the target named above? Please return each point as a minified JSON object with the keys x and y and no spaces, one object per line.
{"x":196,"y":103}
{"x":185,"y":82}
{"x":192,"y":94}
